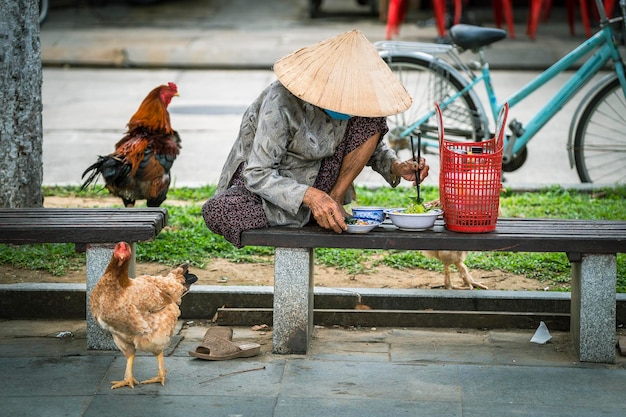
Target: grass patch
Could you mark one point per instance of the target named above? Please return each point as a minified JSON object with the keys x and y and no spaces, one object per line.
{"x":186,"y":238}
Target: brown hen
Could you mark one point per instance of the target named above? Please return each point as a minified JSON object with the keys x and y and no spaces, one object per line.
{"x":140,"y":313}
{"x":451,"y":257}
{"x":139,"y":168}
{"x":457,"y":258}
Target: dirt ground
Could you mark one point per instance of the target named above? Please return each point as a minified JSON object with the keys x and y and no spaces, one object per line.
{"x":223,"y":272}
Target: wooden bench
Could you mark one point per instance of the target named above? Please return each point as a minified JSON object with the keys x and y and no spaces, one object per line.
{"x":96,"y":229}
{"x":591,"y":247}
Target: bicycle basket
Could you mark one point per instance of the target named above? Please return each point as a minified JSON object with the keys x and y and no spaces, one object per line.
{"x":470,"y":182}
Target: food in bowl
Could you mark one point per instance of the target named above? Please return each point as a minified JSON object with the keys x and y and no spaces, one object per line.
{"x":357,"y":225}
{"x":369,"y":213}
{"x":413,"y":222}
{"x":416,"y":208}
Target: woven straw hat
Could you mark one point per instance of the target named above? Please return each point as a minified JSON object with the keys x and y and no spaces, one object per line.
{"x":344,"y":74}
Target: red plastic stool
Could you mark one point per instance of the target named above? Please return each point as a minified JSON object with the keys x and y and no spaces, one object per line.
{"x":504,"y":8}
{"x":609,"y":6}
{"x":439,"y":10}
{"x":536,"y":7}
{"x":535,"y":14}
{"x":395,"y":17}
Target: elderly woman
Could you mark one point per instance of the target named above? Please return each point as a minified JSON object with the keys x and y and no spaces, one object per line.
{"x":306,"y":138}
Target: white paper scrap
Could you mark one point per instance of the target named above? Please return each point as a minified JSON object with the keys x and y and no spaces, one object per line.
{"x":542,"y":335}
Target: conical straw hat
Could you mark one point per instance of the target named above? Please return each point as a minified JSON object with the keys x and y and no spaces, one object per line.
{"x":344,"y":74}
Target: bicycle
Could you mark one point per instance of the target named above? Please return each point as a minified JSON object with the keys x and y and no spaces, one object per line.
{"x":436,"y":73}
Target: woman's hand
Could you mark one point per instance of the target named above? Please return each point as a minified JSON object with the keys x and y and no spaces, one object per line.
{"x":408,"y":169}
{"x":326,"y":211}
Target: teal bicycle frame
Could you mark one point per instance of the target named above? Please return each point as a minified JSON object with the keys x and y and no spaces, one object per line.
{"x":605,"y":49}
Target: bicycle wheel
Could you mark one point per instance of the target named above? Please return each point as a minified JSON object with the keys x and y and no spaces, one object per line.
{"x":428,"y":81}
{"x":599,"y":141}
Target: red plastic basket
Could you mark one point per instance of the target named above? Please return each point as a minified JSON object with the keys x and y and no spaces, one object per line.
{"x":470,"y":180}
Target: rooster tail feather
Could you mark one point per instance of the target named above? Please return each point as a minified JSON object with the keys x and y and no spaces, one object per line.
{"x":112,"y":168}
{"x":95,"y":172}
{"x":189,"y":277}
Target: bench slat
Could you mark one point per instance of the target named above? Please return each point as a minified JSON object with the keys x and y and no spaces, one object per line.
{"x":19,"y":212}
{"x":78,"y":220}
{"x":511,"y":235}
{"x":80,"y":225}
{"x":79,"y":235}
{"x":27,"y":216}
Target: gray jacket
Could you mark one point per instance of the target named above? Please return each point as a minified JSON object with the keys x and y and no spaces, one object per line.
{"x":283,"y":141}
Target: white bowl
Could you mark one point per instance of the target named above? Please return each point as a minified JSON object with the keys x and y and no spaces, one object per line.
{"x":393,"y":210}
{"x":362,"y":228}
{"x":413,"y":222}
{"x":369,"y":213}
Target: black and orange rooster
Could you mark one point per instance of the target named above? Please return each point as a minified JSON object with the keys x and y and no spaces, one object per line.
{"x":139,"y":169}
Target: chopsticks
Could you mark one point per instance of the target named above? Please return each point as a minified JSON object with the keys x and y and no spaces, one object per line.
{"x":419,"y":156}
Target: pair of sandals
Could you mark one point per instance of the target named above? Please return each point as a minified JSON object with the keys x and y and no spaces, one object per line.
{"x":218,"y":345}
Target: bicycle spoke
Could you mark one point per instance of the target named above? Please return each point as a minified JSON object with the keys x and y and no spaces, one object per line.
{"x":428,"y":83}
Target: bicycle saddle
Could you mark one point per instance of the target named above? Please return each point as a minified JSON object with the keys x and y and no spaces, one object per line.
{"x":475,"y":37}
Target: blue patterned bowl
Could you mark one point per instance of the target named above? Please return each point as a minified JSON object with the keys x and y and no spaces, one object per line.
{"x":369,"y":213}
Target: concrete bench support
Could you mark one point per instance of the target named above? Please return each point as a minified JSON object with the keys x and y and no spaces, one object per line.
{"x":591,"y":246}
{"x":592,"y":321}
{"x":98,"y":257}
{"x":293,"y":300}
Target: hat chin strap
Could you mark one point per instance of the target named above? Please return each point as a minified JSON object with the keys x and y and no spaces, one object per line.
{"x":336,"y":115}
